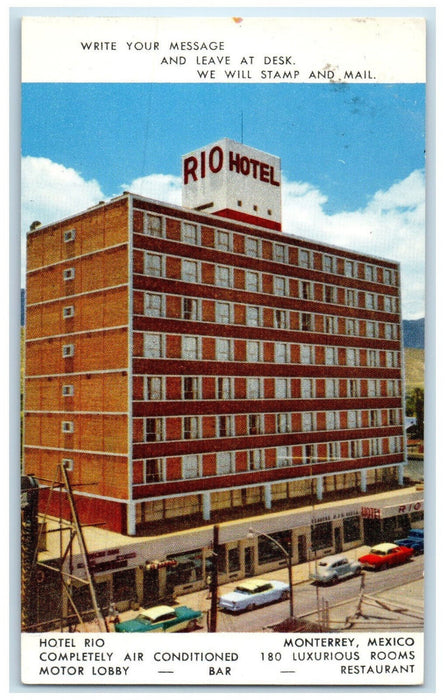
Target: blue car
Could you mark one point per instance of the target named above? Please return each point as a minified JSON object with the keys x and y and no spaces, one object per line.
{"x":162,"y":618}
{"x":414,"y":539}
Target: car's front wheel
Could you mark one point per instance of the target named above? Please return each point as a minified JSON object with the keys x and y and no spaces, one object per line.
{"x":285,"y":595}
{"x":191,"y":625}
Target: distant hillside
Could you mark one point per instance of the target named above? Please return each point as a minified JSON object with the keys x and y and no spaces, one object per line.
{"x":414,"y":368}
{"x":414,"y":333}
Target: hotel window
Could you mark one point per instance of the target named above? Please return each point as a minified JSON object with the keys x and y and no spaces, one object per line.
{"x":67,"y":390}
{"x":223,"y":312}
{"x":69,"y":274}
{"x":191,"y":347}
{"x":370,"y":272}
{"x":191,"y":309}
{"x":388,"y":304}
{"x":307,"y":422}
{"x":390,"y":387}
{"x":252,"y":247}
{"x":253,"y":316}
{"x":370,"y":300}
{"x":330,"y":355}
{"x":154,"y":429}
{"x":224,"y":388}
{"x":352,"y":357}
{"x":225,"y":426}
{"x":305,"y":290}
{"x":279,"y":253}
{"x":284,"y":456}
{"x":224,"y":349}
{"x":389,"y":276}
{"x":331,"y":388}
{"x":69,"y":235}
{"x":68,"y":350}
{"x":191,"y":427}
{"x":191,"y":468}
{"x":254,"y":424}
{"x":153,"y":345}
{"x":372,"y":387}
{"x":153,"y":225}
{"x":189,"y":233}
{"x":253,"y":351}
{"x":280,"y":286}
{"x":255,"y":460}
{"x":307,"y":388}
{"x":350,"y":268}
{"x":390,"y":359}
{"x":332,"y":420}
{"x":282,"y":352}
{"x":68,"y":311}
{"x":353,"y":419}
{"x":254,"y":387}
{"x":351,"y":326}
{"x":353,"y":388}
{"x":355,"y":449}
{"x":223,"y":241}
{"x":329,"y":263}
{"x":67,"y":426}
{"x":309,"y":453}
{"x":153,"y":265}
{"x":223,"y":276}
{"x":306,"y":354}
{"x":191,"y":388}
{"x":305,"y":258}
{"x":333,"y":450}
{"x":306,"y":322}
{"x":375,"y":418}
{"x":153,"y":388}
{"x":282,"y":388}
{"x":281,"y":319}
{"x":390,"y":331}
{"x":189,"y":271}
{"x":330,"y":294}
{"x":371,"y":329}
{"x":153,"y":305}
{"x":351,"y":297}
{"x":330,"y":324}
{"x":224,"y":463}
{"x":153,"y":470}
{"x":373,"y":358}
{"x":252,"y":281}
{"x":283,"y":423}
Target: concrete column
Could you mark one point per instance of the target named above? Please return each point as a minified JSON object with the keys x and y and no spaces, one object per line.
{"x":206,"y":505}
{"x":400,"y":473}
{"x":268,"y":496}
{"x":319,"y":481}
{"x":363,"y":484}
{"x":131,"y":518}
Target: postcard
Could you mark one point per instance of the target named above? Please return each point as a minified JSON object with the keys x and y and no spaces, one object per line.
{"x":223,"y":308}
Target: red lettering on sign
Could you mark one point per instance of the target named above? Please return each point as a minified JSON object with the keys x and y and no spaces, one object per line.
{"x":190,"y":165}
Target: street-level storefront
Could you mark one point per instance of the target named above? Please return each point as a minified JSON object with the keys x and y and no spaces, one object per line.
{"x":131,"y":572}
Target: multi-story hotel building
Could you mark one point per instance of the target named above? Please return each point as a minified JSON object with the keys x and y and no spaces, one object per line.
{"x":191,"y":363}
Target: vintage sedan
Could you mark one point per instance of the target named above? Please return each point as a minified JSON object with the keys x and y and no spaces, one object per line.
{"x":414,"y":539}
{"x":162,"y":618}
{"x":381,"y":556}
{"x":330,"y":570}
{"x":252,"y":594}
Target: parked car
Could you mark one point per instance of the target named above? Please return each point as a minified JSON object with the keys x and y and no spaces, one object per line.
{"x":414,"y":539}
{"x":330,"y":570}
{"x":162,"y":618}
{"x":253,"y":593}
{"x":381,"y":556}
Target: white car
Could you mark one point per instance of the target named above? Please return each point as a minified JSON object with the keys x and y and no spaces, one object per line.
{"x":331,"y":569}
{"x":253,"y":593}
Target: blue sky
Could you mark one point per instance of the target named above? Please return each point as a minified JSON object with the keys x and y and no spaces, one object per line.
{"x":352,"y":155}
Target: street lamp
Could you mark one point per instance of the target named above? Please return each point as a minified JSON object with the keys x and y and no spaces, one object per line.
{"x":288,"y":556}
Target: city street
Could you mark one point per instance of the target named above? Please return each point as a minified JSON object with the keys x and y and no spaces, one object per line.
{"x":308,"y":595}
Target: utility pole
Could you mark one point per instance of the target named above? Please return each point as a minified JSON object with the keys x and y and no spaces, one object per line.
{"x":214,"y":581}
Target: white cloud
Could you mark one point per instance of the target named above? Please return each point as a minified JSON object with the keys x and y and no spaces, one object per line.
{"x":391,"y":225}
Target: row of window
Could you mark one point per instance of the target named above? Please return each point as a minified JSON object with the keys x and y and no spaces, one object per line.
{"x":229,"y":425}
{"x":156,"y":265}
{"x":253,"y":247}
{"x":157,"y":306}
{"x":159,"y":388}
{"x":156,"y":469}
{"x":155,"y":346}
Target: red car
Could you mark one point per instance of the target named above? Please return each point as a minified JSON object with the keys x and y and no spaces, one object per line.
{"x":381,"y":556}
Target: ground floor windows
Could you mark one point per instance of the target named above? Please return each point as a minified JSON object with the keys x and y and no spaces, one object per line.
{"x":268,"y":550}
